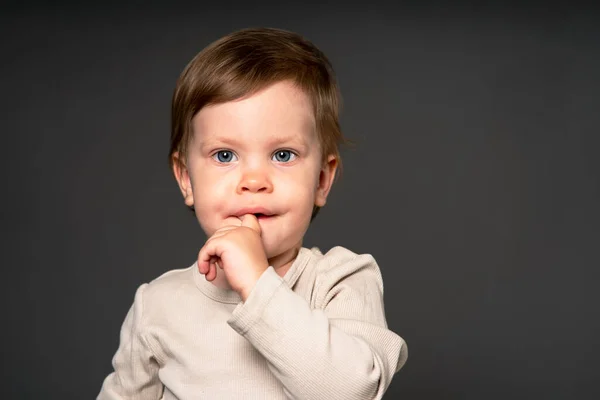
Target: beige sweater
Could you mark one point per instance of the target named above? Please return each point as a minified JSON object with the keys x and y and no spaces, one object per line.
{"x":317,"y":333}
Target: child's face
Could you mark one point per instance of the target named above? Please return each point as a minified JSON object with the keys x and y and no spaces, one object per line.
{"x":260,"y":155}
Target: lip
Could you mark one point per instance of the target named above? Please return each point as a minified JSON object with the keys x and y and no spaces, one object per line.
{"x":265,"y":213}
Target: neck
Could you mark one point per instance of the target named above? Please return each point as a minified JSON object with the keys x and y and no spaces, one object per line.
{"x":282,"y":262}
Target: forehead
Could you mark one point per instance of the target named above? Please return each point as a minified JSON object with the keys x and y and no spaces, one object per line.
{"x":280,"y":109}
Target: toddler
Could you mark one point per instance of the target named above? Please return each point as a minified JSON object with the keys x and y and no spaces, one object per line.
{"x":254,"y":150}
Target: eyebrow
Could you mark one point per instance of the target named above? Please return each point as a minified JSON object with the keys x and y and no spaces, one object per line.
{"x":217,"y":141}
{"x":298,"y":140}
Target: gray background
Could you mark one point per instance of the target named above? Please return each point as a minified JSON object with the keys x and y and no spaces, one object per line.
{"x":474,"y":182}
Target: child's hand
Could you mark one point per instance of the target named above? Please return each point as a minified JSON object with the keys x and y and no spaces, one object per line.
{"x":238,"y":249}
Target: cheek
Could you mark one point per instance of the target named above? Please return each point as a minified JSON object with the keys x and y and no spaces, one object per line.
{"x":300,"y":189}
{"x":212,"y":192}
{"x":209,"y":183}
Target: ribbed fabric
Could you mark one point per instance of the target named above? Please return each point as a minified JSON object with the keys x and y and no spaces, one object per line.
{"x":317,"y":333}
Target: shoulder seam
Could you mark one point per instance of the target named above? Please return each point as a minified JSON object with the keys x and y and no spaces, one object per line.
{"x":142,"y":332}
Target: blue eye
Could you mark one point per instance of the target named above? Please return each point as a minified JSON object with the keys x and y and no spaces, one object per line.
{"x":224,"y":156}
{"x":284,"y":156}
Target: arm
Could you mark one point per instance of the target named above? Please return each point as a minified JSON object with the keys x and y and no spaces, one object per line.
{"x":135,"y":373}
{"x":338,"y":349}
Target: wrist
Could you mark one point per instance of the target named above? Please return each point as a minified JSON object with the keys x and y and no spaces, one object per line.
{"x":247,"y":289}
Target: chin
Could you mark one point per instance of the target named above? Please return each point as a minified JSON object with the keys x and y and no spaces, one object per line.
{"x":273,"y":251}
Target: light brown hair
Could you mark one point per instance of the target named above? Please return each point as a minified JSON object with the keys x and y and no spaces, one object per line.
{"x":245,"y":62}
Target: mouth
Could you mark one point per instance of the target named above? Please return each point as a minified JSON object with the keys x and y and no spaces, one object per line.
{"x":259,"y":213}
{"x":261,"y":216}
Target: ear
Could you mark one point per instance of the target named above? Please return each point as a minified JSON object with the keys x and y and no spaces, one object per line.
{"x":183,"y":179}
{"x":326,"y":177}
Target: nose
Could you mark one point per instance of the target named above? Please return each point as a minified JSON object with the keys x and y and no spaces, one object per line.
{"x":255,"y":180}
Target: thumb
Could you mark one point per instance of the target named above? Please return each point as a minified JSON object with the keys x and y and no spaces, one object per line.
{"x":250,"y":221}
{"x":231,"y":221}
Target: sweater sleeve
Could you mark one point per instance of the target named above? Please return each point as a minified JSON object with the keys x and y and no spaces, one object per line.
{"x":135,"y":374}
{"x":339,"y":347}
